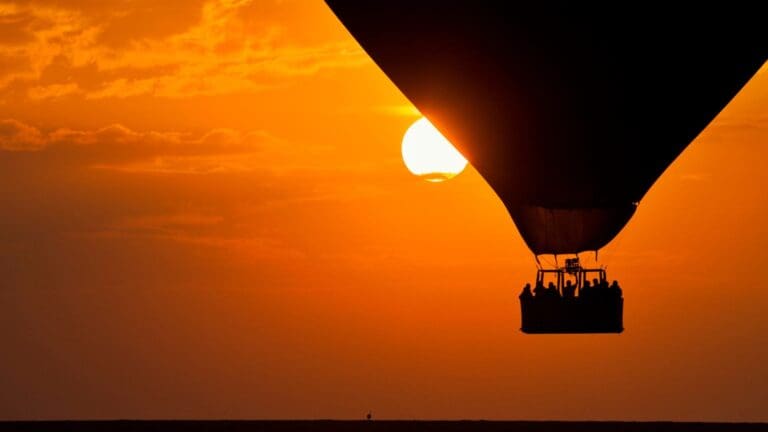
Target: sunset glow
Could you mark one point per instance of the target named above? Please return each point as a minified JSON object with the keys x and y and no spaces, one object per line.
{"x":205,"y":214}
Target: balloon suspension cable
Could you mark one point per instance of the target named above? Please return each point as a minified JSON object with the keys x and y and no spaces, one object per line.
{"x":538,"y":263}
{"x":597,"y":261}
{"x":556,"y":263}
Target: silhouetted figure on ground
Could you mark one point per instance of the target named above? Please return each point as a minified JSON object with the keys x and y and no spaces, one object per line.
{"x":539,"y":290}
{"x":569,"y":290}
{"x":586,"y":290}
{"x":526,"y":294}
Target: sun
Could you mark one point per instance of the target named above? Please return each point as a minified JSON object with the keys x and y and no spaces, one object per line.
{"x":429,"y":155}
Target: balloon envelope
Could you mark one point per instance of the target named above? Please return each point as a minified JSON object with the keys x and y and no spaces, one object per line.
{"x":570,"y":112}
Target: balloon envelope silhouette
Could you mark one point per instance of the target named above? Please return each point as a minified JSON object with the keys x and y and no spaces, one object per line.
{"x":569,"y":111}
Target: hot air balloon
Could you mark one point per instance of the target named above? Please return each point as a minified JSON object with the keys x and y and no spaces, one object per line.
{"x":570,"y":111}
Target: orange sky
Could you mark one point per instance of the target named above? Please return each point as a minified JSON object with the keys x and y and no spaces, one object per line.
{"x":205,"y":215}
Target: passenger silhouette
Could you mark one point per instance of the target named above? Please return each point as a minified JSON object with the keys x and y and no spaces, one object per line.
{"x":552,"y":290}
{"x":573,"y":304}
{"x":615,"y":288}
{"x":569,"y":290}
{"x":526,"y":292}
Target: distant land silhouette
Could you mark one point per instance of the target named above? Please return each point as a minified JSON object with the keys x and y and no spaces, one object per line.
{"x":369,"y":425}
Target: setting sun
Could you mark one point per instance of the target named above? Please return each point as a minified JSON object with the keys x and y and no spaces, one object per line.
{"x":429,"y":155}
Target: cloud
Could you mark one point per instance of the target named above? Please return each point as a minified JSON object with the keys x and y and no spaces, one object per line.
{"x":170,"y":225}
{"x":696,"y":177}
{"x":757,"y":121}
{"x":198,"y":228}
{"x":52,"y":91}
{"x":172,"y":49}
{"x":120,"y":148}
{"x":17,"y":136}
{"x":16,"y":26}
{"x":13,"y":63}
